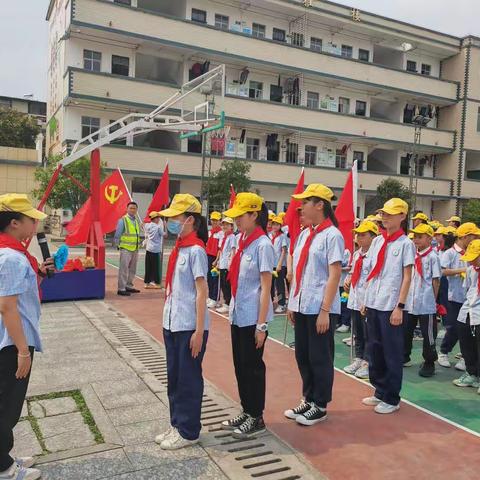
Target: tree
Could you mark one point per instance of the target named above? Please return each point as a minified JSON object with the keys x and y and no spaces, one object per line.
{"x":17,"y":129}
{"x":471,"y":211}
{"x":390,"y":188}
{"x":234,"y":172}
{"x":65,"y":194}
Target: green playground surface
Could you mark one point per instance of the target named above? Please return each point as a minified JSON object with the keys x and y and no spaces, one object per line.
{"x":437,"y":394}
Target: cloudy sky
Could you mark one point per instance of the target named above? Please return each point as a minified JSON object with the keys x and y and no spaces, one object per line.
{"x":23,"y":34}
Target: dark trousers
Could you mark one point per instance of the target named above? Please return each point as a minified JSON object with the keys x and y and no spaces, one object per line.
{"x":185,"y":382}
{"x":451,"y":335}
{"x":314,"y":353}
{"x":211,"y":280}
{"x":428,"y":326}
{"x":359,"y":326}
{"x":345,"y":313}
{"x":225,"y":286}
{"x":278,"y":286}
{"x":249,"y":370}
{"x":12,"y":396}
{"x":385,"y":352}
{"x":152,"y":267}
{"x":469,"y":338}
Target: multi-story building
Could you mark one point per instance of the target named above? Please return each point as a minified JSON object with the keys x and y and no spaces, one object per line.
{"x":309,"y":83}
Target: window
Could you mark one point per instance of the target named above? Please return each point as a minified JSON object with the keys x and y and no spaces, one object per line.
{"x":221,"y":21}
{"x":272,"y":206}
{"x":144,"y":185}
{"x":341,"y":159}
{"x":408,"y":113}
{"x":411,"y":66}
{"x":276,"y":93}
{"x":343,"y":105}
{"x":120,"y":65}
{"x":478,"y":120}
{"x":199,"y":16}
{"x":347,"y":51}
{"x":316,"y":44}
{"x":360,"y":158}
{"x":118,"y":141}
{"x":361,"y":108}
{"x":5,"y":102}
{"x":310,"y":155}
{"x":37,"y":108}
{"x":195,"y":144}
{"x":255,"y":90}
{"x":92,"y":60}
{"x":298,"y":39}
{"x":123,"y":2}
{"x":253,"y":148}
{"x":292,"y":152}
{"x":273,"y":152}
{"x":258,"y":30}
{"x":405,"y":165}
{"x":89,"y":126}
{"x":363,"y":55}
{"x":426,"y":69}
{"x":312,"y":100}
{"x":279,"y":35}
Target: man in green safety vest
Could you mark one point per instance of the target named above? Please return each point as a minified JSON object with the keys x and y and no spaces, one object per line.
{"x":128,"y":241}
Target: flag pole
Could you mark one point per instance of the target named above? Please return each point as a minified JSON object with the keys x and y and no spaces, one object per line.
{"x":355,"y":206}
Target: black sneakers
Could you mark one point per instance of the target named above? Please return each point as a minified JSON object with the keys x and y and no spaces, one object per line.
{"x":293,"y":413}
{"x":132,"y":290}
{"x":123,"y":293}
{"x":251,"y":426}
{"x":427,"y":370}
{"x":312,"y":416}
{"x":234,"y":422}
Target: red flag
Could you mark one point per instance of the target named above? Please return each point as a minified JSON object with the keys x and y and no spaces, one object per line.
{"x":233,"y":196}
{"x":114,"y":197}
{"x":292,"y":218}
{"x":161,"y":196}
{"x":346,"y":210}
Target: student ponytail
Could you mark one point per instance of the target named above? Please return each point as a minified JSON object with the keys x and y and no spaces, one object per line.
{"x":262,"y":219}
{"x":200,"y":226}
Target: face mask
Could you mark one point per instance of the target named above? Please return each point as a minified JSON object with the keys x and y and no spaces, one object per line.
{"x":174,"y":227}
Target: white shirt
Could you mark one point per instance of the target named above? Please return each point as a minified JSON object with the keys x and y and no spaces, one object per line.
{"x":471,"y":306}
{"x":356,"y":296}
{"x":451,"y":261}
{"x":154,"y":238}
{"x":226,"y":252}
{"x":279,"y":244}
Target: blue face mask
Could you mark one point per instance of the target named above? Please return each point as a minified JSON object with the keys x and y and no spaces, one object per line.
{"x":174,"y":227}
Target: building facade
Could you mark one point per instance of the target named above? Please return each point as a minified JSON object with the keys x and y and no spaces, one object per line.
{"x":309,"y":84}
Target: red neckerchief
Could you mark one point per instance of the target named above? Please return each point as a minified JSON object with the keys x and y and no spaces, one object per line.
{"x":357,"y":269}
{"x":235,"y":265}
{"x":212,"y":242}
{"x":383,"y":250}
{"x":182,"y":242}
{"x":224,"y":239}
{"x":275,"y":236}
{"x":418,"y":260}
{"x":305,"y":249}
{"x":7,"y":241}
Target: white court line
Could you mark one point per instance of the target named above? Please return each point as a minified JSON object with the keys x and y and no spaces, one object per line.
{"x":363,"y":382}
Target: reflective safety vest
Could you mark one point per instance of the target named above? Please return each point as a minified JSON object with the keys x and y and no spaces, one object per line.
{"x":130,"y":239}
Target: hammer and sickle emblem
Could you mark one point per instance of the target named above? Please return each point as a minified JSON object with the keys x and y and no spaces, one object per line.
{"x":111,"y":193}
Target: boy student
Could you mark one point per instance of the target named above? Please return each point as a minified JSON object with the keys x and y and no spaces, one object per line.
{"x":185,"y":321}
{"x":154,"y":232}
{"x":454,"y":221}
{"x":454,"y":269}
{"x":214,"y":236}
{"x":19,"y":323}
{"x":280,"y":244}
{"x":469,"y":320}
{"x":419,"y":218}
{"x":392,"y":256}
{"x":355,"y":284}
{"x":422,"y":304}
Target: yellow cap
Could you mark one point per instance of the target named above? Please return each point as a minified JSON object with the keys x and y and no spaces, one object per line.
{"x":19,"y":202}
{"x":451,"y":230}
{"x":244,"y":202}
{"x":282,"y":214}
{"x":367,"y":226}
{"x":277,"y":219}
{"x":316,"y":190}
{"x":227,"y":220}
{"x":435,"y":224}
{"x":473,"y":251}
{"x":182,"y":203}
{"x":468,"y":228}
{"x":395,"y":206}
{"x":215,"y":216}
{"x":153,"y":214}
{"x":271,"y":215}
{"x":454,"y":218}
{"x":420,"y":216}
{"x":440,"y":231}
{"x":422,"y":229}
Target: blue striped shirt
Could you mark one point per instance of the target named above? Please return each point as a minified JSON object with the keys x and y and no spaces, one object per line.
{"x":278,"y":246}
{"x":451,"y":261}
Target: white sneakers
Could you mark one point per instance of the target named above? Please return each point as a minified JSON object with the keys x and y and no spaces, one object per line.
{"x":362,"y":372}
{"x":20,"y":470}
{"x":380,"y":407}
{"x":343,"y":329}
{"x":280,"y":309}
{"x":371,"y":401}
{"x":160,"y":438}
{"x":352,"y":368}
{"x":223,"y":309}
{"x":172,"y":440}
{"x":460,"y":365}
{"x":211,"y":303}
{"x":443,"y":360}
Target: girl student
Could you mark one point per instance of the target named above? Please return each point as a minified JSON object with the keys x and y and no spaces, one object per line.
{"x":225,"y":253}
{"x":185,"y":320}
{"x":314,"y":301}
{"x":280,"y":245}
{"x":355,"y":284}
{"x":250,"y":310}
{"x":155,"y":232}
{"x":392,"y":255}
{"x":214,"y":235}
{"x":422,"y":299}
{"x":19,"y":323}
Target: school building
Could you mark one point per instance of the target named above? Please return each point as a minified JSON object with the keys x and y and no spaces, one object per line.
{"x":309,"y":83}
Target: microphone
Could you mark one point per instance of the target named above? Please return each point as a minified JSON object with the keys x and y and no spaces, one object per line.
{"x":42,"y":242}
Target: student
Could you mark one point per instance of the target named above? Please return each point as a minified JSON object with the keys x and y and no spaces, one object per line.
{"x":454,"y":221}
{"x":19,"y":323}
{"x":469,"y":320}
{"x":213,"y":242}
{"x":355,"y":284}
{"x":250,"y":311}
{"x":422,"y":299}
{"x":280,"y":245}
{"x":225,"y":253}
{"x":419,"y":218}
{"x":314,"y":301}
{"x":154,"y":232}
{"x":392,"y":255}
{"x":185,"y":321}
{"x":454,"y":269}
{"x":344,"y":319}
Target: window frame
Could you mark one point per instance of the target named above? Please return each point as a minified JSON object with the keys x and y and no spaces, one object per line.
{"x":291,"y":153}
{"x":273,"y":154}
{"x":424,"y":69}
{"x":360,"y":162}
{"x":341,"y":105}
{"x":297,"y":39}
{"x":318,"y":42}
{"x":316,"y":100}
{"x":257,"y":30}
{"x":119,"y":65}
{"x":252,"y":148}
{"x":197,"y":11}
{"x":276,"y":31}
{"x":411,"y":63}
{"x":258,"y":92}
{"x":312,"y":151}
{"x":219,"y":21}
{"x":357,"y":104}
{"x":84,"y":123}
{"x":93,"y":61}
{"x":347,"y":48}
{"x":363,"y":51}
{"x":340,"y":159}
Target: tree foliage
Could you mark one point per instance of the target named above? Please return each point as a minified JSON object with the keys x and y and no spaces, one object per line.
{"x":471,"y":211}
{"x":17,"y":129}
{"x":390,"y":188}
